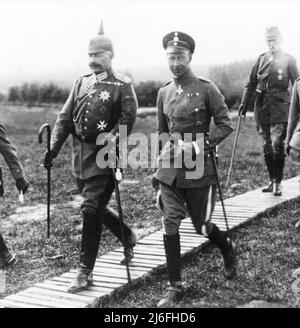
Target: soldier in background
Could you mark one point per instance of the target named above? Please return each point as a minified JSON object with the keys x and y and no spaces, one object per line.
{"x":99,"y":102}
{"x":9,"y":153}
{"x":269,"y":81}
{"x":186,"y":105}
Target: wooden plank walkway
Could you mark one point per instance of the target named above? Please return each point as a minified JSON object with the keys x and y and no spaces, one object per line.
{"x":110,"y":276}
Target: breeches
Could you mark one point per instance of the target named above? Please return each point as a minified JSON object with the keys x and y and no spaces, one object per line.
{"x":274,"y":136}
{"x":96,"y":192}
{"x":178,"y":203}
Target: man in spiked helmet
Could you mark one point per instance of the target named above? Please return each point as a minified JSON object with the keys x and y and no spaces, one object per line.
{"x":186,"y":105}
{"x":99,"y":102}
{"x":269,"y":82}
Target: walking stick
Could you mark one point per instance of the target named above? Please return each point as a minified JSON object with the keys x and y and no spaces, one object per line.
{"x":47,"y":127}
{"x":220,"y":193}
{"x":117,"y":176}
{"x":233,"y":151}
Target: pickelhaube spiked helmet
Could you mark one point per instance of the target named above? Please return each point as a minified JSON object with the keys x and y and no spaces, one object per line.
{"x":100,"y":42}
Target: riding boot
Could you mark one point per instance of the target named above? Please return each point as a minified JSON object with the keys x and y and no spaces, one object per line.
{"x":6,"y":257}
{"x":112,"y":222}
{"x":91,"y":234}
{"x":270,"y":166}
{"x":278,"y":170}
{"x":172,"y":250}
{"x":227,"y":249}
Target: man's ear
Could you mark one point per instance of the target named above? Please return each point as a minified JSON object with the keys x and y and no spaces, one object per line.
{"x":190,"y":56}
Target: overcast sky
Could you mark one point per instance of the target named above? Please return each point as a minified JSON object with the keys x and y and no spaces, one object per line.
{"x":41,"y":36}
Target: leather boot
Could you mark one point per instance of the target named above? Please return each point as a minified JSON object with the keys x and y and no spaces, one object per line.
{"x":91,"y":233}
{"x":6,"y":257}
{"x":270,"y":167}
{"x":227,"y":249}
{"x":175,"y":293}
{"x":278,"y":170}
{"x":172,"y":250}
{"x":112,"y":222}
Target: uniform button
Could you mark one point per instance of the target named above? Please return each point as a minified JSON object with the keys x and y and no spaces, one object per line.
{"x":83,"y":137}
{"x":91,"y":96}
{"x":86,"y":111}
{"x":86,"y":119}
{"x":196,"y":109}
{"x":85,"y":127}
{"x":88,"y":103}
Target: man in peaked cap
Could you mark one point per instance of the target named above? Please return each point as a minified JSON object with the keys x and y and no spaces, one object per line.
{"x":269,"y":82}
{"x":186,"y":106}
{"x":99,"y":102}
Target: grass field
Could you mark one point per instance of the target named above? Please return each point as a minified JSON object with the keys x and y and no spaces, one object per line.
{"x":204,"y":270}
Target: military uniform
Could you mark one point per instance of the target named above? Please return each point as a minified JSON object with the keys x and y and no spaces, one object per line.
{"x":8,"y":151}
{"x":186,"y":105}
{"x":269,"y":81}
{"x":98,"y":103}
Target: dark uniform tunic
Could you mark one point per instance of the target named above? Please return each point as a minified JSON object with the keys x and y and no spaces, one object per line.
{"x":95,"y":105}
{"x":187,"y":105}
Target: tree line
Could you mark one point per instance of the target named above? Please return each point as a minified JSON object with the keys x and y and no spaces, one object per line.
{"x":230,"y":78}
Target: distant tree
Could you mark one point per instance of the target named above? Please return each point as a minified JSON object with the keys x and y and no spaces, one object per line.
{"x":147,"y":93}
{"x":2,"y":97}
{"x":14,"y":94}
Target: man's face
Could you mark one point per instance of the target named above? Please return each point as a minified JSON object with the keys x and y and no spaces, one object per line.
{"x":274,"y":43}
{"x":179,"y":63}
{"x":100,"y":61}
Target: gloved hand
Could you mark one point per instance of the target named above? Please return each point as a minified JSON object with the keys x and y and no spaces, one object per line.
{"x":155,"y":183}
{"x":287,"y":149}
{"x":48,"y":158}
{"x":22,"y":185}
{"x":242,"y":110}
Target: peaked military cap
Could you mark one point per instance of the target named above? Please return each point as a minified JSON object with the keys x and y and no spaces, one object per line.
{"x":100,"y":43}
{"x":176,"y":41}
{"x":272,"y":32}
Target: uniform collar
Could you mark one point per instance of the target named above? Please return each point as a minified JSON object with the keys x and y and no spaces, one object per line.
{"x":184,"y":79}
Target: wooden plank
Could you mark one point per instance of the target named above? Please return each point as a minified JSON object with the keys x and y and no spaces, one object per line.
{"x":132,"y":263}
{"x":37,"y":302}
{"x":68,"y":276}
{"x":80,"y":302}
{"x":121,"y":267}
{"x":16,"y":304}
{"x":92,"y":290}
{"x":58,"y":294}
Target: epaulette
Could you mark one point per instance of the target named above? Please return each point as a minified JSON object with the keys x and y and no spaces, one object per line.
{"x":123,"y":78}
{"x":297,"y":80}
{"x":204,"y":79}
{"x":166,"y":83}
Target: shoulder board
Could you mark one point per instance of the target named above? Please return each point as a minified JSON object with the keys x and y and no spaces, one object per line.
{"x":297,"y":80}
{"x":123,"y":78}
{"x":166,"y":83}
{"x":203,"y":79}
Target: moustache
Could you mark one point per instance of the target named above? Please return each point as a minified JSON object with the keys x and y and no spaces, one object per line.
{"x":94,"y":65}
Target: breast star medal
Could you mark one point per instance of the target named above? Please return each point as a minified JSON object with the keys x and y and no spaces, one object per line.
{"x":179,"y":90}
{"x":101,"y":125}
{"x":104,"y":95}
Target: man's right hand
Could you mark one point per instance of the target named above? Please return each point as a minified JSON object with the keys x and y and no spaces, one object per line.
{"x":242,"y":110}
{"x":48,"y":158}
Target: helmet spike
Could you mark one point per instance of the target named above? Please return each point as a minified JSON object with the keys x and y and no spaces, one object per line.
{"x":101,"y":29}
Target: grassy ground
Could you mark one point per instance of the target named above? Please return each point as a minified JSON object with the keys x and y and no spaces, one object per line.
{"x":28,"y":239}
